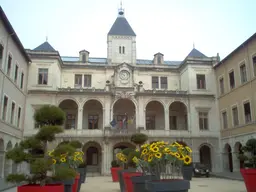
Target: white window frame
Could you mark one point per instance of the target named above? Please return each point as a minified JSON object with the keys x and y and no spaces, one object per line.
{"x":238,"y":113}
{"x":18,"y":126}
{"x":14,"y":114}
{"x":222,"y":122}
{"x":253,"y":55}
{"x":232,"y":70}
{"x":16,"y":64}
{"x":244,"y":102}
{"x":246,"y":68}
{"x":2,"y":108}
{"x":219,"y":78}
{"x":7,"y":59}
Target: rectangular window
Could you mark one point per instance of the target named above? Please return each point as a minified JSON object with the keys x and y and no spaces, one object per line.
{"x":150,"y":122}
{"x":93,"y":122}
{"x":78,"y":80}
{"x":159,"y":60}
{"x":173,"y":122}
{"x":155,"y":82}
{"x":224,"y":120}
{"x":164,"y":84}
{"x":203,"y":120}
{"x":200,"y":78}
{"x":19,"y":117}
{"x":254,"y":65}
{"x":12,"y":113}
{"x":42,"y":76}
{"x":222,"y":86}
{"x":243,"y":73}
{"x":123,"y":50}
{"x":247,"y":112}
{"x":5,"y":108}
{"x":87,"y":80}
{"x":9,"y":65}
{"x":70,"y":121}
{"x":120,"y":49}
{"x":16,"y":73}
{"x":83,"y":57}
{"x":21,"y":80}
{"x":232,"y":80}
{"x":235,"y":116}
{"x":1,"y":54}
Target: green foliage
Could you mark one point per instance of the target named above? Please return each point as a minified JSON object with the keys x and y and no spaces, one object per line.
{"x":114,"y":163}
{"x":250,"y":153}
{"x":47,"y":133}
{"x":64,"y":148}
{"x":82,"y":165}
{"x":127,"y":150}
{"x":76,"y":144}
{"x":16,"y":178}
{"x":130,"y":156}
{"x":49,"y":115}
{"x":139,"y":138}
{"x":63,"y":173}
{"x":33,"y":150}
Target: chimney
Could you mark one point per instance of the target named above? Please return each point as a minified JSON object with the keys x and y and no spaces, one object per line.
{"x":158,"y":58}
{"x":218,"y":57}
{"x":84,"y":56}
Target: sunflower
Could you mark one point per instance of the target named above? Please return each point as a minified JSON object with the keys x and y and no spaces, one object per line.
{"x":158,"y":155}
{"x":50,"y":153}
{"x":150,"y":158}
{"x":153,"y":145}
{"x":144,"y":151}
{"x":181,"y":157}
{"x":54,"y":161}
{"x":145,"y":145}
{"x":177,"y":155}
{"x":135,"y":160}
{"x":187,"y":160}
{"x":63,"y":160}
{"x":171,"y":153}
{"x":166,"y":149}
{"x":155,"y":149}
{"x":188,"y":149}
{"x":177,"y":144}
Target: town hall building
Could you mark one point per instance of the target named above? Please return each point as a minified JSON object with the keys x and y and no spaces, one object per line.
{"x":106,"y":100}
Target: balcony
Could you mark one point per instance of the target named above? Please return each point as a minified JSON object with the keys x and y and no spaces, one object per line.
{"x":108,"y":132}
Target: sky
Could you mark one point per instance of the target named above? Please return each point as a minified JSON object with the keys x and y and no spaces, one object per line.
{"x":171,"y":27}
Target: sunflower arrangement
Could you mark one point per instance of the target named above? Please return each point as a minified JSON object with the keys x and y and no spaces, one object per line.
{"x":161,"y":157}
{"x":121,"y":157}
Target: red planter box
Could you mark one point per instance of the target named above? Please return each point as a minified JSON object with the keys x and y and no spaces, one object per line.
{"x":114,"y":173}
{"x":249,"y":176}
{"x":75,"y":185}
{"x":38,"y":188}
{"x":127,"y":180}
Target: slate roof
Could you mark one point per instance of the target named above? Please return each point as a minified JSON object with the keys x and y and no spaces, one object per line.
{"x":121,"y":27}
{"x":44,"y":47}
{"x":196,"y":53}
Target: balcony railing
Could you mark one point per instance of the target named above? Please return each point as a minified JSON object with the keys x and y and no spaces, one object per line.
{"x":108,"y":132}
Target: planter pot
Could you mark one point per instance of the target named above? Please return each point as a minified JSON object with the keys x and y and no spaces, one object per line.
{"x":121,"y":178}
{"x":127,"y":180}
{"x":168,"y":185}
{"x":84,"y":179}
{"x":187,"y":172}
{"x":38,"y":188}
{"x":68,"y":185}
{"x":139,"y":182}
{"x":114,"y":173}
{"x":75,"y":185}
{"x":81,"y":171}
{"x":249,"y":176}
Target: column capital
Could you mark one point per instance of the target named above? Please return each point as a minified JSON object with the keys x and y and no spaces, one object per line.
{"x":80,"y":109}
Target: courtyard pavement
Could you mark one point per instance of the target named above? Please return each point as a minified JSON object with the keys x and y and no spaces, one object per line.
{"x":105,"y":184}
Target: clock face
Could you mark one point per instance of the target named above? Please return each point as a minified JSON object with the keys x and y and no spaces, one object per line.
{"x":124,"y":75}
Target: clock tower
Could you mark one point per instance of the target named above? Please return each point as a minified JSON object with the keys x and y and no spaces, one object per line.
{"x":124,"y":75}
{"x":121,"y":41}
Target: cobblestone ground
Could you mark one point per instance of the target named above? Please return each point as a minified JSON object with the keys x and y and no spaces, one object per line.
{"x":105,"y":184}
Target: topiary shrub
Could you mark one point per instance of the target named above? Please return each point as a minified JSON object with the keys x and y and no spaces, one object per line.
{"x":33,"y":150}
{"x":114,"y":163}
{"x":139,"y":138}
{"x":249,"y":153}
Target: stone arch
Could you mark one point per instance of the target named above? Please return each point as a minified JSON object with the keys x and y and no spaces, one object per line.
{"x":228,"y":158}
{"x":8,"y":162}
{"x":206,"y":154}
{"x":155,"y":115}
{"x":132,"y":100}
{"x":70,"y":107}
{"x":178,"y":113}
{"x":93,"y":156}
{"x":158,"y":100}
{"x":173,"y":101}
{"x":67,"y":98}
{"x":92,"y":114}
{"x":93,"y":98}
{"x":238,"y":151}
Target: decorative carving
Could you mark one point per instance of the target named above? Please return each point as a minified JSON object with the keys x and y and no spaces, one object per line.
{"x":124,"y":95}
{"x":80,"y":99}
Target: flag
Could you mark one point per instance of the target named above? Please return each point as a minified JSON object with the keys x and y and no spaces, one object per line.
{"x":124,"y":122}
{"x":113,"y":123}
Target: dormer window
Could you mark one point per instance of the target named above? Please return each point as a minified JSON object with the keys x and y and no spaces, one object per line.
{"x":158,"y":58}
{"x":84,"y":56}
{"x":121,"y":49}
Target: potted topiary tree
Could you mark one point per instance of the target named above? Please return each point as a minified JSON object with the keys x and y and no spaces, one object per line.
{"x":139,"y":138}
{"x":249,"y":170}
{"x":115,"y":166}
{"x":33,"y":151}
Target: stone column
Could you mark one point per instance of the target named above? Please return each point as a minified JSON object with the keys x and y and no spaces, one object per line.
{"x":106,"y":112}
{"x":80,"y":118}
{"x":166,"y":119}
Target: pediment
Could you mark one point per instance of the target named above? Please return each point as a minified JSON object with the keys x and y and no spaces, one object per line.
{"x":124,"y":65}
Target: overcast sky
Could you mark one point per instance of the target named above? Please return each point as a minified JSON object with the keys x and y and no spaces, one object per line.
{"x":166,"y":26}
